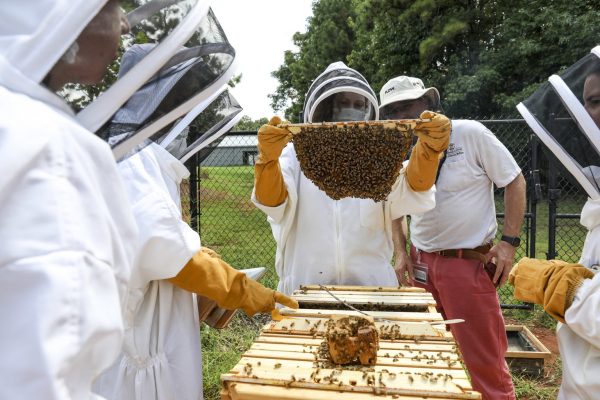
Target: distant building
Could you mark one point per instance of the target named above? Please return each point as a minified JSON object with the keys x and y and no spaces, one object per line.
{"x":237,"y":148}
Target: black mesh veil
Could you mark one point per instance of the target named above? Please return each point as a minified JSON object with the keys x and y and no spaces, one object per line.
{"x":201,"y":131}
{"x":191,"y":76}
{"x":557,"y":114}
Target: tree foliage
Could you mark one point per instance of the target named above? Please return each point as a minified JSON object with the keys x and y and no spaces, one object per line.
{"x":329,"y":38}
{"x":483,"y":55}
{"x":247,"y":124}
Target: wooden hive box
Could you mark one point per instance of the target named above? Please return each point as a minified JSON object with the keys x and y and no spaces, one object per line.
{"x":415,"y":359}
{"x":526,"y":355}
{"x":287,"y":362}
{"x":365,"y":298}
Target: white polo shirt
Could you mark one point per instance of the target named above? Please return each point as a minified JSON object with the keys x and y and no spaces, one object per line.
{"x":464,"y":216}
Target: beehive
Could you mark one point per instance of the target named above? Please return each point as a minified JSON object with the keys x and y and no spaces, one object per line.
{"x":353,"y":159}
{"x":289,"y":359}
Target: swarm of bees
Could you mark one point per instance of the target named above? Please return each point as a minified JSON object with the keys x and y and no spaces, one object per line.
{"x":352,"y":339}
{"x":353,"y":159}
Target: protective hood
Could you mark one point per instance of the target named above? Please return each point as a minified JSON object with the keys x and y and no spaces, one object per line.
{"x":169,"y":25}
{"x":195,"y":73}
{"x":590,"y":214}
{"x":337,"y":78}
{"x":203,"y":128}
{"x":557,"y":114}
{"x":34,"y":34}
{"x":190,"y":81}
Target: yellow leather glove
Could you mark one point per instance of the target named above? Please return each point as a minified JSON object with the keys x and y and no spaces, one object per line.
{"x":434,"y":137}
{"x":435,"y":133}
{"x":208,"y":275}
{"x":550,"y":283}
{"x":268,"y":180}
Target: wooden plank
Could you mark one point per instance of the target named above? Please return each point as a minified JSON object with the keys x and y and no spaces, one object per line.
{"x":356,"y":293}
{"x":248,"y":391}
{"x":384,"y":358}
{"x":364,"y":288}
{"x":384,"y":351}
{"x":409,"y":345}
{"x":370,"y":300}
{"x":399,"y":329}
{"x":389,"y":315}
{"x":433,"y":383}
{"x":292,"y":366}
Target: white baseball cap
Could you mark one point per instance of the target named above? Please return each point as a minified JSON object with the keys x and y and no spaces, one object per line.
{"x":403,"y":88}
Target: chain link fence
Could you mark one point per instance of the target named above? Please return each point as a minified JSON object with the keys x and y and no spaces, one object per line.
{"x":230,"y":224}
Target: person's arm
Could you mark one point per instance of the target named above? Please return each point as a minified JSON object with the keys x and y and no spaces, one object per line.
{"x":583,"y":316}
{"x":514,"y":211}
{"x":269,"y":186}
{"x":403,"y":264}
{"x":556,"y":285}
{"x":207,"y":274}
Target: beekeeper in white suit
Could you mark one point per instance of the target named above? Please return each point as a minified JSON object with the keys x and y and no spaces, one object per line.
{"x":347,"y":241}
{"x":565,"y":114}
{"x":161,"y":357}
{"x":66,"y":232}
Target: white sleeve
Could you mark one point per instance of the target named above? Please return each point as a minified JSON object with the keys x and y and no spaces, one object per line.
{"x":494,"y":157}
{"x":583,"y":317}
{"x":166,"y":243}
{"x":405,"y":201}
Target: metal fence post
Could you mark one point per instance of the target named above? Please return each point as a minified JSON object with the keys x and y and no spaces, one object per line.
{"x":535,"y":193}
{"x":553,"y":195}
{"x":194,"y":182}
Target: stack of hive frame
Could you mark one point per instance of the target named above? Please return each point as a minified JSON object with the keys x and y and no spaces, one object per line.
{"x":416,"y":358}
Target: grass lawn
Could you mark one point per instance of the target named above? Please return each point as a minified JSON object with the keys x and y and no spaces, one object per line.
{"x":232,"y":226}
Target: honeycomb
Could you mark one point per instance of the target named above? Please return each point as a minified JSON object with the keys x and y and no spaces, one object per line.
{"x":353,"y":159}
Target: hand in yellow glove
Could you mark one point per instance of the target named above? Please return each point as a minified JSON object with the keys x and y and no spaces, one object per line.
{"x":272,"y":140}
{"x":268,"y":180}
{"x":207,"y":274}
{"x":435,"y":132}
{"x":434,"y":137}
{"x":550,"y":283}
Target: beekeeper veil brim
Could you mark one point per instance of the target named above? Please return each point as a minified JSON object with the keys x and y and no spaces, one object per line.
{"x":336,"y":80}
{"x":189,"y":82}
{"x":202,"y":129}
{"x":557,"y":114}
{"x":170,"y":25}
{"x":190,"y":76}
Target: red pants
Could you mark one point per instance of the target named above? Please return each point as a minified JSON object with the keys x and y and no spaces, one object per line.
{"x":462,"y":289}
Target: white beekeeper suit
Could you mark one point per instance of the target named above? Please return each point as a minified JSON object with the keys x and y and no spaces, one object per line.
{"x":579,"y":338}
{"x":66,"y":228}
{"x":161,"y":356}
{"x":325,"y":241}
{"x":558,"y":114}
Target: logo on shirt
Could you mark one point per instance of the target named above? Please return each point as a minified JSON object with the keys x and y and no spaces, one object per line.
{"x":454,"y":153}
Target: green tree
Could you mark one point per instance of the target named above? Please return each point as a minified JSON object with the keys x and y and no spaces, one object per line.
{"x":247,"y":124}
{"x":329,"y":38}
{"x":483,"y":55}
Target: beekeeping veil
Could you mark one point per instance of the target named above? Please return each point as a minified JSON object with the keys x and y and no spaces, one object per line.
{"x":556,"y":114}
{"x":337,"y":78}
{"x":202,"y":129}
{"x":213,"y":109}
{"x":180,"y":39}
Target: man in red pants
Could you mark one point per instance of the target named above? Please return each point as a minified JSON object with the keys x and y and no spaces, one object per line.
{"x":452,"y":243}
